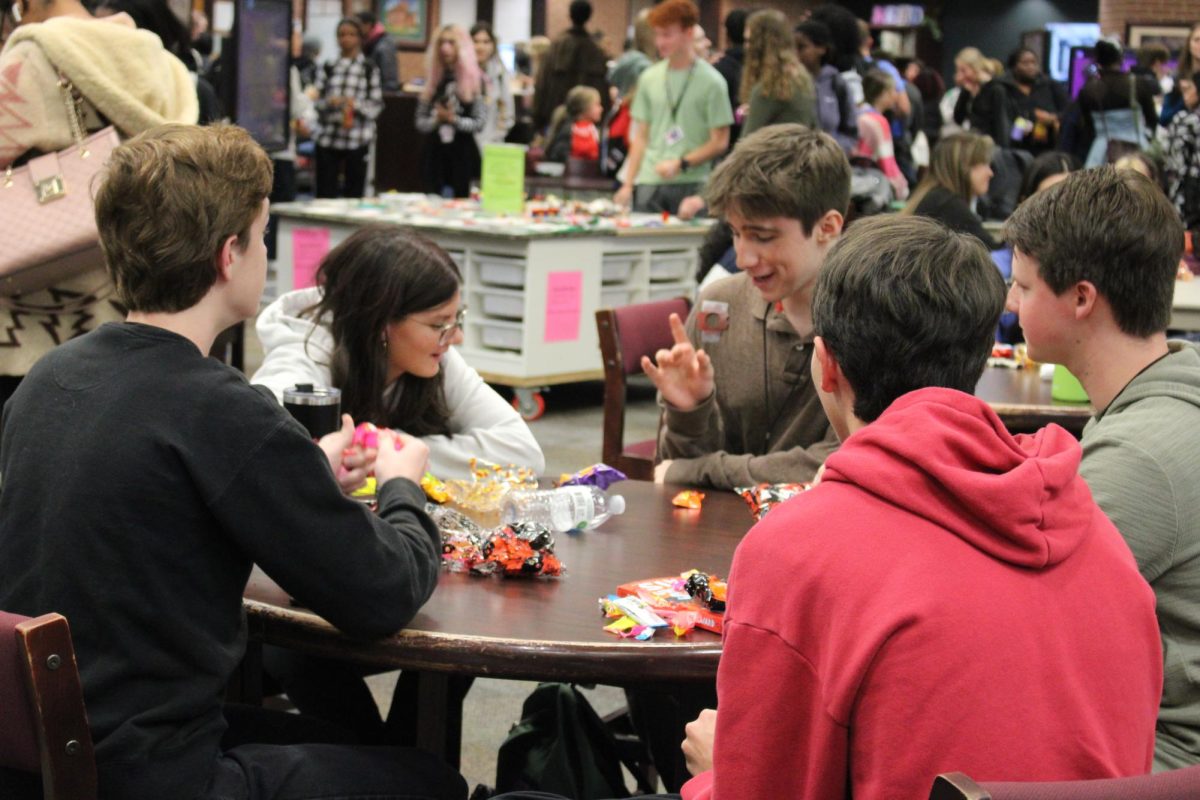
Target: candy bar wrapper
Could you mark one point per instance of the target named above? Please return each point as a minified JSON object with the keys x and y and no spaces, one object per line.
{"x":689,"y":498}
{"x":765,"y":496}
{"x":599,"y":475}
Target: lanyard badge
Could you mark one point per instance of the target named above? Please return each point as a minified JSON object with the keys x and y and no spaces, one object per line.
{"x":713,"y":320}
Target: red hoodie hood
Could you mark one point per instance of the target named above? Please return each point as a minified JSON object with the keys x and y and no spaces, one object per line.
{"x":946,"y":456}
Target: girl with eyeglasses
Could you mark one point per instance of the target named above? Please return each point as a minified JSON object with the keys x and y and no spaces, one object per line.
{"x":380,"y":325}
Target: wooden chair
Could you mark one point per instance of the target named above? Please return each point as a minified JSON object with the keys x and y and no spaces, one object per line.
{"x":626,"y":334}
{"x":45,"y":729}
{"x":1174,"y":785}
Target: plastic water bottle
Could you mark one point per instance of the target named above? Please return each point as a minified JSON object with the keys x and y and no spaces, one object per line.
{"x":564,"y":509}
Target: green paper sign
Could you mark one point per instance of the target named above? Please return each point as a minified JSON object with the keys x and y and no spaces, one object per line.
{"x":503,"y":186}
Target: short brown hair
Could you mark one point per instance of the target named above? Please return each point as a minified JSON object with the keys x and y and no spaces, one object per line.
{"x":1114,"y":228}
{"x":674,"y":12}
{"x":905,"y":303}
{"x":782,"y":171}
{"x":167,"y":201}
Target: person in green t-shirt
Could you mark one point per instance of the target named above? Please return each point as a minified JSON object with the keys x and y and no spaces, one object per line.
{"x":681,"y":117}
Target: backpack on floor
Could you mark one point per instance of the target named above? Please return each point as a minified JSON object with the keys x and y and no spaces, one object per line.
{"x":562,"y":746}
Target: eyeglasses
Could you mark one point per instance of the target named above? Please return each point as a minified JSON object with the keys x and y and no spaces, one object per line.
{"x":446,"y":330}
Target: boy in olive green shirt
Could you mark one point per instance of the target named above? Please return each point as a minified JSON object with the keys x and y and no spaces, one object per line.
{"x":1093,"y":270}
{"x":681,"y":117}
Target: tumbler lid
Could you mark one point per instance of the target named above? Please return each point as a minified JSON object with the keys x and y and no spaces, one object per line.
{"x":305,"y":394}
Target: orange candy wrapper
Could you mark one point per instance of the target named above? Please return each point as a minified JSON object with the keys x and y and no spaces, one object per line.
{"x":688,"y":498}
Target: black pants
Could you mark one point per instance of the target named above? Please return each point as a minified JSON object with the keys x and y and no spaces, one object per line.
{"x":270,"y":754}
{"x":341,"y":173}
{"x":660,"y":716}
{"x":335,"y":692}
{"x":450,"y":167}
{"x":327,"y":689}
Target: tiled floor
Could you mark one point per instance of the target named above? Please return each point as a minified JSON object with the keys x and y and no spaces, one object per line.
{"x":569,"y":434}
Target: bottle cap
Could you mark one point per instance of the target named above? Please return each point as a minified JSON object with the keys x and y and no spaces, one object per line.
{"x":616,"y":504}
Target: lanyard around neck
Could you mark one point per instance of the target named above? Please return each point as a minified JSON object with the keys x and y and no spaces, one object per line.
{"x":675,"y":105}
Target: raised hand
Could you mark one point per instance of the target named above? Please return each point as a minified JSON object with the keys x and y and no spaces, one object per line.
{"x":683,"y":374}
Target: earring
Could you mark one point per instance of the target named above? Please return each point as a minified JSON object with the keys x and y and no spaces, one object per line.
{"x":383,"y":341}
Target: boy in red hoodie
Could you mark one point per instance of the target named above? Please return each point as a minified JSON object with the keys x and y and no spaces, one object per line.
{"x":949,"y":597}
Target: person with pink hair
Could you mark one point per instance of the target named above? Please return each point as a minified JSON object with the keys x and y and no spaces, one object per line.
{"x":450,"y":113}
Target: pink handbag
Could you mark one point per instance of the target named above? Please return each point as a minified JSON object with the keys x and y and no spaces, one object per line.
{"x":49,"y":221}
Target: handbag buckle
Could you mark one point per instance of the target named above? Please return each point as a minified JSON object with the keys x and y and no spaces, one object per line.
{"x":49,"y":189}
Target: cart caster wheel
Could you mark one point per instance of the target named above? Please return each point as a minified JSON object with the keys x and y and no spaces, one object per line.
{"x":530,"y":405}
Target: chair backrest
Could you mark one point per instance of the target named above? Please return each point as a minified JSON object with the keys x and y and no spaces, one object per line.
{"x":45,"y":729}
{"x":626,"y":334}
{"x":1172,"y":785}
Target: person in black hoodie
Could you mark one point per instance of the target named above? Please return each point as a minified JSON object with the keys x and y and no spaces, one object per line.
{"x":143,"y":481}
{"x":1037,"y":102}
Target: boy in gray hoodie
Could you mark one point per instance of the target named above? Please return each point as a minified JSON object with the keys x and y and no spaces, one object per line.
{"x":1094,"y":263}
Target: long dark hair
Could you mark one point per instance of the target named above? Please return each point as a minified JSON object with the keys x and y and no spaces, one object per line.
{"x":379,"y":275}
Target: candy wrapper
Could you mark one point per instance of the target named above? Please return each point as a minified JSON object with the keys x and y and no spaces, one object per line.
{"x":682,"y":602}
{"x":434,"y":489}
{"x":518,"y":550}
{"x":482,"y":496}
{"x":765,"y":496}
{"x":689,"y":498}
{"x":599,"y":475}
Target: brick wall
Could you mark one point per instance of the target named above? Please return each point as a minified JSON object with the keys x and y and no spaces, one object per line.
{"x":1116,"y":14}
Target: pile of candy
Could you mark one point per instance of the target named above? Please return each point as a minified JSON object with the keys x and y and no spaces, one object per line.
{"x":691,"y":600}
{"x":765,"y":496}
{"x":599,"y":475}
{"x":483,"y":495}
{"x":518,"y":550}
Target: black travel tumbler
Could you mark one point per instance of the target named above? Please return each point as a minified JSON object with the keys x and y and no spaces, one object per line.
{"x":316,"y":408}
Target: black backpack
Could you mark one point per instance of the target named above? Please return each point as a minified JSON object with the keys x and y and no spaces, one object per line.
{"x":561,"y":746}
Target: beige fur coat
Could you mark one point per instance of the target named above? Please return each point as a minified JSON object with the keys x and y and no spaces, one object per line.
{"x":126,"y":78}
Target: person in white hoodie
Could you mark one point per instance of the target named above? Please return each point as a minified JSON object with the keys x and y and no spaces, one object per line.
{"x":380,"y":326}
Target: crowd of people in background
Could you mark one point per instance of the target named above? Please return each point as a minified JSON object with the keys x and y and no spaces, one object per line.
{"x":822,"y":69}
{"x":848,"y":655}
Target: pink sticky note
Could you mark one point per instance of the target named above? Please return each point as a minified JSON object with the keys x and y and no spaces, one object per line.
{"x":564,"y":303}
{"x":309,"y":246}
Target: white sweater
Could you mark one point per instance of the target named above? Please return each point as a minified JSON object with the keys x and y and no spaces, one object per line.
{"x":482,"y":425}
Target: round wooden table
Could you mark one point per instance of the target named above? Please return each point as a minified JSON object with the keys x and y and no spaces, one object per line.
{"x":1022,"y":401}
{"x":540,"y":629}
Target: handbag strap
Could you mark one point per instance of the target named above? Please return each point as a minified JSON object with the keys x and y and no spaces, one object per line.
{"x":74,"y":103}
